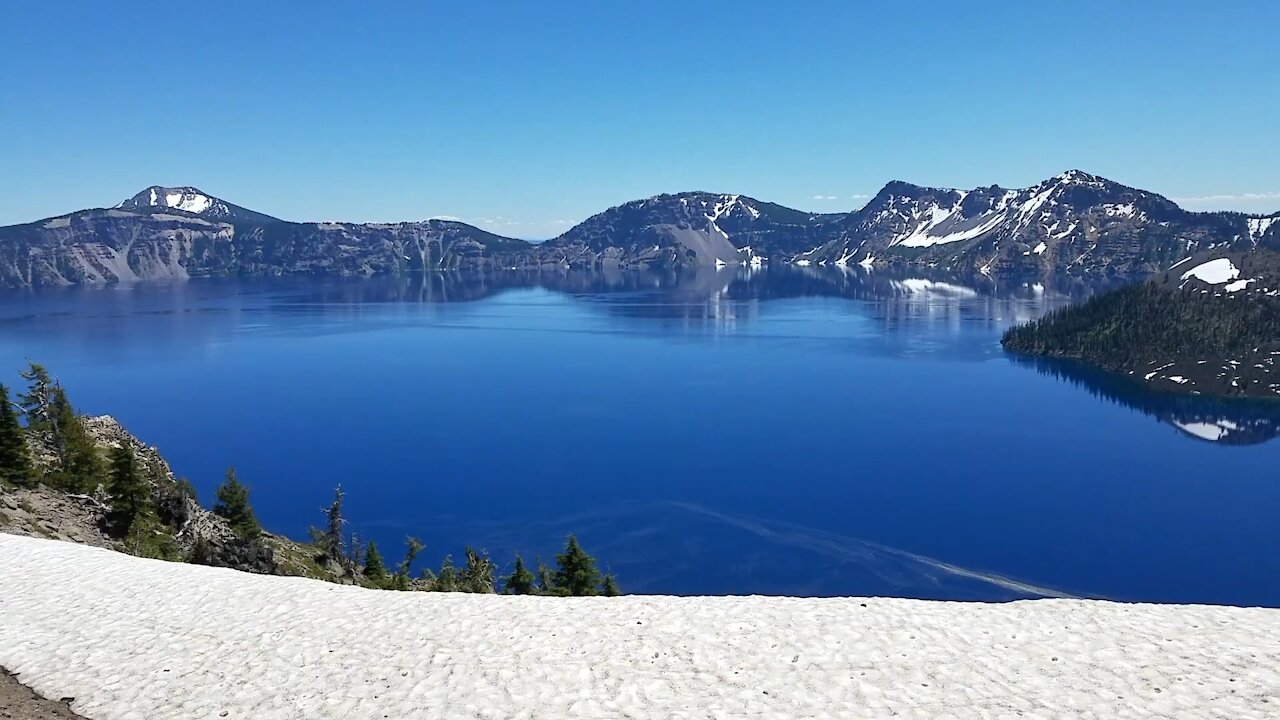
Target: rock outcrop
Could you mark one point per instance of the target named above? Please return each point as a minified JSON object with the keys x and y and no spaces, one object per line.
{"x":1072,"y":224}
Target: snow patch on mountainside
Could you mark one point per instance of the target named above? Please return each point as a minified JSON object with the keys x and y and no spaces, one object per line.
{"x":1259,"y":226}
{"x":191,"y":202}
{"x":1214,"y":272}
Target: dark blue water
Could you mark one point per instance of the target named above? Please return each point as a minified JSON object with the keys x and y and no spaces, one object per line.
{"x":801,"y":433}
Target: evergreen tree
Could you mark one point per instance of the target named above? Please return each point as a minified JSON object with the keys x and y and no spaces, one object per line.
{"x":447,"y":579}
{"x":576,"y":572}
{"x":15,"y":459}
{"x":413,"y":546}
{"x":546,"y":580}
{"x":329,"y":541}
{"x":81,"y":465}
{"x":610,"y":587}
{"x":520,"y":581}
{"x":233,"y":504}
{"x":37,"y":402}
{"x":374,"y":569}
{"x":355,"y":552}
{"x":477,"y":576}
{"x":202,"y":552}
{"x":129,"y":494}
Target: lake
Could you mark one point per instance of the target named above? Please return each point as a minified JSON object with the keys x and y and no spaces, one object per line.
{"x":787,"y":431}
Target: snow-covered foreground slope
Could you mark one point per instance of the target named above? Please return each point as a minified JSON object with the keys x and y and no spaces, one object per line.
{"x":133,"y":638}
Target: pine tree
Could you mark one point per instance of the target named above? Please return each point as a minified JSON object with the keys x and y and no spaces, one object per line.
{"x":233,"y":504}
{"x":413,"y":546}
{"x":477,"y":576}
{"x":610,"y":587}
{"x":15,"y":459}
{"x":201,"y":552}
{"x":374,"y":569}
{"x":576,"y":572}
{"x":129,"y":495}
{"x":447,"y":579}
{"x":81,"y":465}
{"x":330,"y":540}
{"x":520,"y":581}
{"x":546,"y":580}
{"x":37,"y":402}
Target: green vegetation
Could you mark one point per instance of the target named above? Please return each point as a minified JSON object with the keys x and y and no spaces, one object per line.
{"x":233,"y":504}
{"x":147,"y":511}
{"x":374,"y":569}
{"x":610,"y":587}
{"x":128,"y":494}
{"x":577,"y":573}
{"x":15,"y":458}
{"x":51,"y":418}
{"x":1136,"y":325}
{"x":520,"y":581}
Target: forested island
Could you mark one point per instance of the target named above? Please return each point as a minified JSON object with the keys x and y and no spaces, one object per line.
{"x":86,"y":479}
{"x":1207,"y":326}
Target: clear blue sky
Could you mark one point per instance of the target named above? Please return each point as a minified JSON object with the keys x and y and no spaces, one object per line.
{"x":542,"y":113}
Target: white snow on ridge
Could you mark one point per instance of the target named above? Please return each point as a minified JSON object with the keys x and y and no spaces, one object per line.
{"x":134,"y":638}
{"x":921,"y":236}
{"x":1214,"y":272}
{"x":1259,"y":226}
{"x":190,"y":202}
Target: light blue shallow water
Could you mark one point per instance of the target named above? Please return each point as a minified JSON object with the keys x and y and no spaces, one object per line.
{"x":786,"y":433}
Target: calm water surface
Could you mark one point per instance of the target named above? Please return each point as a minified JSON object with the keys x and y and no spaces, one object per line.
{"x":788,"y":432}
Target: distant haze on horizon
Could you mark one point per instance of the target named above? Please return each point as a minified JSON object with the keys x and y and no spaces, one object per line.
{"x":525,"y":120}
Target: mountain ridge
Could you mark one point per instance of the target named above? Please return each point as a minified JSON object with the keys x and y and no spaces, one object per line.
{"x":1074,"y":223}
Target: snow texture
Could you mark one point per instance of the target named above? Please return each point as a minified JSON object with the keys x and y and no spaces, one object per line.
{"x":135,"y":639}
{"x":1214,"y":272}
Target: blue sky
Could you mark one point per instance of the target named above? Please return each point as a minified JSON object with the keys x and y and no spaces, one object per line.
{"x":526,"y":117}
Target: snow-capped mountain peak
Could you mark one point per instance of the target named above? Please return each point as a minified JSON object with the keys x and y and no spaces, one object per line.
{"x":190,"y":200}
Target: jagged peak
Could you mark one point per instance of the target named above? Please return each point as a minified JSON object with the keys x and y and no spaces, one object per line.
{"x":902,"y":189}
{"x":1074,"y":176}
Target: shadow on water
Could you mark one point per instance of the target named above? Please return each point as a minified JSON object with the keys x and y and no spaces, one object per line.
{"x":1223,"y":421}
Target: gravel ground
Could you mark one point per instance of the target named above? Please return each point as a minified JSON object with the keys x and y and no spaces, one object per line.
{"x":18,"y":702}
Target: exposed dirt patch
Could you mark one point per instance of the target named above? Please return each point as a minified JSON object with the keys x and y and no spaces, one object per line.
{"x":18,"y":702}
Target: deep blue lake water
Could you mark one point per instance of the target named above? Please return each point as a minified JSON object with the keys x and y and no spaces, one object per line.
{"x":789,"y":432}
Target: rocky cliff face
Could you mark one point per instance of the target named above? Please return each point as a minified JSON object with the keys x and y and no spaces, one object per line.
{"x":695,"y":228}
{"x":1072,"y":224}
{"x":43,"y":511}
{"x":118,"y":245}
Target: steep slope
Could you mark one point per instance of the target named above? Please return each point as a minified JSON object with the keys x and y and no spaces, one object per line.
{"x":191,"y":200}
{"x":178,"y":233}
{"x":687,"y":229}
{"x":1074,"y":223}
{"x":1208,"y":325}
